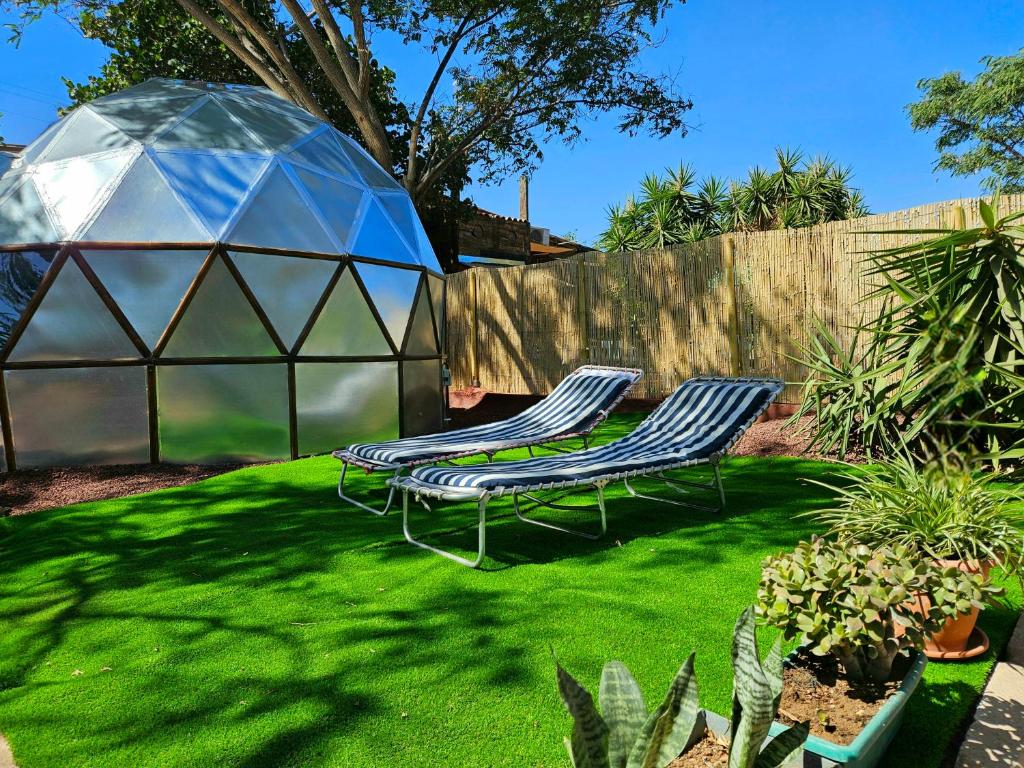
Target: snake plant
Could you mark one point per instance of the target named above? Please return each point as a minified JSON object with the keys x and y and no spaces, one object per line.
{"x":624,"y":735}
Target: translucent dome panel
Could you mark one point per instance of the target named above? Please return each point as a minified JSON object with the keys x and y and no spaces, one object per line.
{"x":342,"y":403}
{"x":219,"y":321}
{"x":337,"y":202}
{"x":73,"y":189}
{"x":216,"y":413}
{"x":79,"y":416}
{"x":421,"y":338}
{"x":143,"y":209}
{"x":288,"y":288}
{"x":207,"y":125}
{"x":85,"y":133}
{"x":142,"y":119}
{"x":213,"y":185}
{"x":322,"y":152}
{"x":147,"y":285}
{"x":378,"y":238}
{"x":21,"y":272}
{"x":346,"y":326}
{"x":72,"y":323}
{"x":23,"y":217}
{"x":278,"y":216}
{"x":392,"y":292}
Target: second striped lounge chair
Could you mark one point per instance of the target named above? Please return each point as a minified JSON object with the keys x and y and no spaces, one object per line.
{"x":580,"y":402}
{"x":696,"y":424}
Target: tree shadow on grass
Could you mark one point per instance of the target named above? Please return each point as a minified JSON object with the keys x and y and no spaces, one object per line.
{"x":268,"y":561}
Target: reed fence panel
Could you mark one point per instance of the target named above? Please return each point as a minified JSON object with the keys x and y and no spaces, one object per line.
{"x":705,"y":308}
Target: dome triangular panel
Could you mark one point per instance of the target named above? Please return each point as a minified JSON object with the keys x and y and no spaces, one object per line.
{"x":279,"y":217}
{"x":219,"y":322}
{"x":143,"y":119}
{"x":379,"y":239}
{"x":213,"y":184}
{"x":208,"y":127}
{"x":72,"y":323}
{"x":147,"y":285}
{"x":422,"y":340}
{"x":337,"y":201}
{"x":86,"y":134}
{"x":144,"y":209}
{"x":346,"y":325}
{"x":399,"y":206}
{"x":274,"y":129}
{"x":367,"y":167}
{"x":286,"y":287}
{"x":72,"y":189}
{"x":23,"y":217}
{"x":323,"y":152}
{"x":393,"y":292}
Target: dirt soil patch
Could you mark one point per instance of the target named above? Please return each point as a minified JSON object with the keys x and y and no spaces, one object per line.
{"x":817,"y":690}
{"x":31,"y":490}
{"x":709,"y":752}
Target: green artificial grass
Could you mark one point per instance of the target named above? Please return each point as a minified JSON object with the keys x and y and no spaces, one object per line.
{"x":251,"y":620}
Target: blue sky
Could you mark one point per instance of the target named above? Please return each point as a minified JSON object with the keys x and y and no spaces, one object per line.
{"x":824,"y":77}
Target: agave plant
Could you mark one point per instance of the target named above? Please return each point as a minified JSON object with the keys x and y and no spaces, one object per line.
{"x":624,"y":735}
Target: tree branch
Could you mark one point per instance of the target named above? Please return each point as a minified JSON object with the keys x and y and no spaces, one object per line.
{"x":292,"y":79}
{"x":270,"y":78}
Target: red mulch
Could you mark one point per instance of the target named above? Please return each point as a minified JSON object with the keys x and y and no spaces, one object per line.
{"x":31,"y":490}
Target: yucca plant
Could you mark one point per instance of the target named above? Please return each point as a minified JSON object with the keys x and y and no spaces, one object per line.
{"x":624,"y":735}
{"x":669,"y":211}
{"x":846,"y":393}
{"x":943,"y":357}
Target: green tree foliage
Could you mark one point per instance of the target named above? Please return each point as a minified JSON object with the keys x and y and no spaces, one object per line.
{"x":508,"y":76}
{"x":980,"y":122}
{"x":674,"y":209}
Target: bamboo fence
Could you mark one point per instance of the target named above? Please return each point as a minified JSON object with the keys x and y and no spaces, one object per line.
{"x":738,"y":304}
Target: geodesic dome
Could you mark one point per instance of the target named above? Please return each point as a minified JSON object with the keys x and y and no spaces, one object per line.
{"x":198,"y":272}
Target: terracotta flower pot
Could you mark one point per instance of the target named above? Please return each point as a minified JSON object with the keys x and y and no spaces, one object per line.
{"x":952,"y":640}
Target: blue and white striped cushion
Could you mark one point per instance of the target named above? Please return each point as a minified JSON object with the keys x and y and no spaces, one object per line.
{"x":703,"y":417}
{"x":573,"y":406}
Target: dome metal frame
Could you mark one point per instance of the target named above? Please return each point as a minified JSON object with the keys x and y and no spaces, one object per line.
{"x":187,"y":350}
{"x":151,"y":357}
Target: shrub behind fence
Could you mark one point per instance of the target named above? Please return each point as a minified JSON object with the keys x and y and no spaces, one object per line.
{"x":738,"y":304}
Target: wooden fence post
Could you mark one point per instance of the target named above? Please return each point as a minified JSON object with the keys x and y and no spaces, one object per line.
{"x":581,"y":306}
{"x":474,"y":323}
{"x":959,"y":217}
{"x":729,"y":263}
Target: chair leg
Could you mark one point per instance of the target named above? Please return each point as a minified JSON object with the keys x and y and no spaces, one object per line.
{"x":350,"y":500}
{"x":552,"y":526}
{"x":716,"y":485}
{"x":481,"y":534}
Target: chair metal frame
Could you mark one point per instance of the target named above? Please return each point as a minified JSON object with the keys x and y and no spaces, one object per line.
{"x":396,"y":469}
{"x":483,"y":497}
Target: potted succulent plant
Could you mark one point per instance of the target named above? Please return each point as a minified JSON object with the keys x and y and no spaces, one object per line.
{"x":678,"y":733}
{"x":850,"y":606}
{"x":945,"y":510}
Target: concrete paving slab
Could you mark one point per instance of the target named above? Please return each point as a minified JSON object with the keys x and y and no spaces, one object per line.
{"x":996,"y":737}
{"x":6,"y":756}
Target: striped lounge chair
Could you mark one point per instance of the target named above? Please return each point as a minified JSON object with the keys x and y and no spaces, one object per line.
{"x":697,"y":424}
{"x":574,"y":408}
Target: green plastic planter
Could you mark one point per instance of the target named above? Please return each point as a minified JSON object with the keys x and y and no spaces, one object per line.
{"x":867,"y":749}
